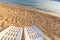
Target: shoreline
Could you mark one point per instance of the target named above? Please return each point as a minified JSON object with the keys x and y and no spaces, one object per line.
{"x":32,"y":9}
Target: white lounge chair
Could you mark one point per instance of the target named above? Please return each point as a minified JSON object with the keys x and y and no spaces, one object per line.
{"x":11,"y":33}
{"x":33,"y":33}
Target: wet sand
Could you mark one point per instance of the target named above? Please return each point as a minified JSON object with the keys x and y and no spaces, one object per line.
{"x":21,"y":17}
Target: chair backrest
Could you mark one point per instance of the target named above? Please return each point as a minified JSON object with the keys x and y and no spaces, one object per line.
{"x":33,"y":33}
{"x":11,"y":33}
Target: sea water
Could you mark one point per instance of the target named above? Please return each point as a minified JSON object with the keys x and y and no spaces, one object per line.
{"x":46,"y":5}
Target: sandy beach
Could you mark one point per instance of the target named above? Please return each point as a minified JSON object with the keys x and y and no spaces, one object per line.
{"x":21,"y":17}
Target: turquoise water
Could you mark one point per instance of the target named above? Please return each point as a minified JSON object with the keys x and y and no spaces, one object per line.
{"x":30,"y":3}
{"x":22,"y":2}
{"x":46,"y":5}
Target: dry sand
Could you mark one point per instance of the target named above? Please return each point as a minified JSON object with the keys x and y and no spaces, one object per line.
{"x":21,"y":17}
